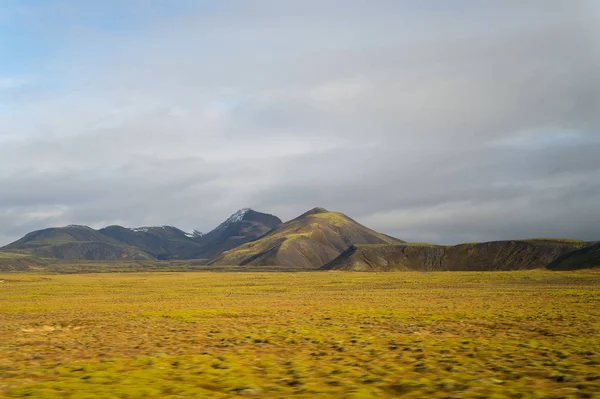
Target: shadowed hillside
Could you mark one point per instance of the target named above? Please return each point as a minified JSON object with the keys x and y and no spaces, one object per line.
{"x":496,"y":255}
{"x":243,"y":226}
{"x":584,"y":258}
{"x":310,"y":241}
{"x":161,"y":242}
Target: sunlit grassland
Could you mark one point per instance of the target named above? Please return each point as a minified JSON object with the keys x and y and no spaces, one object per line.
{"x":11,"y":255}
{"x":532,"y":334}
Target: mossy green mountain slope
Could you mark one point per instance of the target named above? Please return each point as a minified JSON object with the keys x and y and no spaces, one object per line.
{"x":495,"y":255}
{"x":309,"y":241}
{"x":584,"y":258}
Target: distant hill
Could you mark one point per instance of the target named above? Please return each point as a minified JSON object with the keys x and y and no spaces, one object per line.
{"x":310,"y":241}
{"x":496,"y":255}
{"x":584,"y":258}
{"x":160,"y":242}
{"x":74,"y":242}
{"x":243,"y":226}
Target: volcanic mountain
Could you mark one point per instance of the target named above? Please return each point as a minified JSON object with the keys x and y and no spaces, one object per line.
{"x":496,"y":255}
{"x":310,"y":241}
{"x":76,"y":243}
{"x":243,"y":226}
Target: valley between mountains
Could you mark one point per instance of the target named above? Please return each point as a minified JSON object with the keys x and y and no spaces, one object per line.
{"x":316,"y":240}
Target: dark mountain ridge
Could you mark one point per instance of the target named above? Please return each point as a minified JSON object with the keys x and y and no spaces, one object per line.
{"x":495,"y":255}
{"x":160,"y":242}
{"x":584,"y":258}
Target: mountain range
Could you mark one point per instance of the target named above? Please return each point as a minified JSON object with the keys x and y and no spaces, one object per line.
{"x":316,"y":240}
{"x":76,"y":242}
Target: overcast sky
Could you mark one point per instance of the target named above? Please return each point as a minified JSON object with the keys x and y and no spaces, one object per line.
{"x":441,"y":121}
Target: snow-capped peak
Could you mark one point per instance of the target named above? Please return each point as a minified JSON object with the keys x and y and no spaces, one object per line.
{"x":236,"y":217}
{"x":239,"y":215}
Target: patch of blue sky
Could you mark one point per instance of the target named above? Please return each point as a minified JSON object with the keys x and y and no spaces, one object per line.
{"x":34,"y":32}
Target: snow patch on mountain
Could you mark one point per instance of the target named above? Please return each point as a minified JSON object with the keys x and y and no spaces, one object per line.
{"x":239,"y":215}
{"x":146,"y":229}
{"x":194,"y":234}
{"x":236,"y":217}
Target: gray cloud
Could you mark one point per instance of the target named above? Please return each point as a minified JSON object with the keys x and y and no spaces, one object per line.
{"x":429,"y":122}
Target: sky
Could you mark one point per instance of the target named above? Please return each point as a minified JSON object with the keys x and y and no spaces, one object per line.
{"x":438,"y":121}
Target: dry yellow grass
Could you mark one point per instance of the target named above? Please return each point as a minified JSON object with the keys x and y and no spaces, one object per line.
{"x":303,"y":335}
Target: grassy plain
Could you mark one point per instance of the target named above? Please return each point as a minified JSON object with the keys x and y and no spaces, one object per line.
{"x":533,"y":334}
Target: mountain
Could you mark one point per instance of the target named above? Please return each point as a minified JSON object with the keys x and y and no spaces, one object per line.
{"x":160,"y":242}
{"x":243,"y":226}
{"x":496,"y":255}
{"x":584,"y":258}
{"x":311,"y":240}
{"x":75,"y":242}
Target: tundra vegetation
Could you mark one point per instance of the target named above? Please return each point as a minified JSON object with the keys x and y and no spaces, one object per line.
{"x":520,"y":334}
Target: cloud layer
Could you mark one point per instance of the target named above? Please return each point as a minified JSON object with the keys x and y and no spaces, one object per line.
{"x":425,"y":120}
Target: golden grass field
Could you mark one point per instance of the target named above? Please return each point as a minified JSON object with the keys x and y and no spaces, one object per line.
{"x":490,"y":335}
